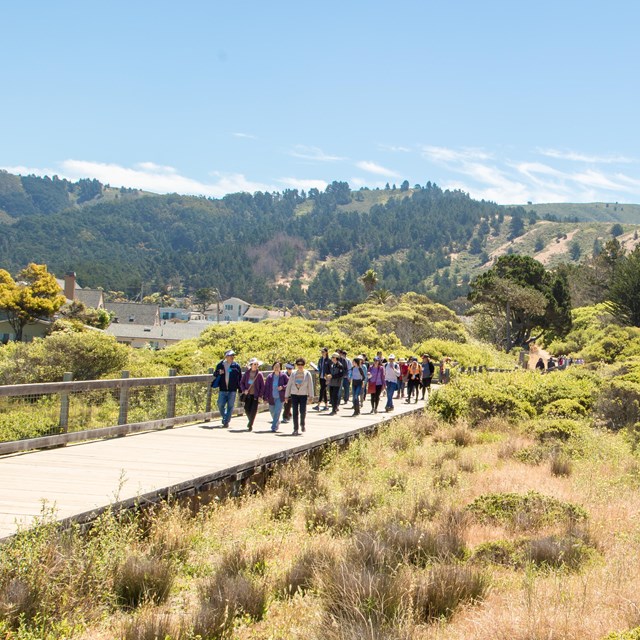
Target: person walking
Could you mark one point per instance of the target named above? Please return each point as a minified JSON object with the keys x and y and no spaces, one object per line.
{"x":391,"y":377}
{"x":300,"y":390}
{"x":358,"y":375}
{"x":335,"y":375}
{"x":376,"y":382}
{"x":402,"y":379}
{"x":346,"y":379}
{"x":414,"y":375}
{"x":428,"y":370}
{"x":286,"y":411}
{"x":324,"y":363}
{"x":252,"y":386}
{"x":274,"y":387}
{"x":229,"y":374}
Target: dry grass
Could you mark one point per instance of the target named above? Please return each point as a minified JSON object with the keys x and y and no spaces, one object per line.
{"x":374,"y":543}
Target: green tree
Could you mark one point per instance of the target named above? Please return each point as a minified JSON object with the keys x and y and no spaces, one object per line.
{"x":381,"y":296}
{"x":203,"y":298}
{"x":79,"y":312}
{"x":539,"y":245}
{"x":624,"y":293}
{"x":369,"y":280}
{"x":574,"y":250}
{"x":35,"y":295}
{"x":617,"y":230}
{"x":530,"y":301}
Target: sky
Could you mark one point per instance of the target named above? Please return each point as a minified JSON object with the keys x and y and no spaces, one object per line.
{"x":509,"y":101}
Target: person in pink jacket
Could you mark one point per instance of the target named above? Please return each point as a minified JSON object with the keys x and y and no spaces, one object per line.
{"x":252,"y":386}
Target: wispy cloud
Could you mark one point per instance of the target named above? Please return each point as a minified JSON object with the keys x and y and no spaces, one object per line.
{"x":238,"y":134}
{"x":372,"y":167}
{"x":149,"y":176}
{"x":313,"y":153}
{"x":576,"y":156}
{"x":394,"y":148}
{"x":444,"y":154}
{"x":483,"y":175}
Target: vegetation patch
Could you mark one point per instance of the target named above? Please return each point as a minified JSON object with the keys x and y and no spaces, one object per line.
{"x":531,"y":510}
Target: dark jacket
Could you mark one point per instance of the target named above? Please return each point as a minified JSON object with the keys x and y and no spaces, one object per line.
{"x":427,"y":369}
{"x":235,"y":373}
{"x":337,"y":373}
{"x":268,"y":387}
{"x":324,"y":365}
{"x":258,"y":385}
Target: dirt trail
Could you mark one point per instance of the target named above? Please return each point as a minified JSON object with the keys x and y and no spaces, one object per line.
{"x":536,"y":352}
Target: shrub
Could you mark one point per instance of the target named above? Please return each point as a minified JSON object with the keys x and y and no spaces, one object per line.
{"x":438,"y":593}
{"x":557,"y":430}
{"x":489,"y":403}
{"x":151,"y":625}
{"x":631,"y":634}
{"x":564,"y":408}
{"x":298,"y":478}
{"x":418,"y":545}
{"x":300,"y":576}
{"x":325,"y":516}
{"x":142,"y":579}
{"x":618,"y":404}
{"x":18,"y":601}
{"x":531,"y":510}
{"x":561,"y":466}
{"x":233,"y":594}
{"x":240,"y":560}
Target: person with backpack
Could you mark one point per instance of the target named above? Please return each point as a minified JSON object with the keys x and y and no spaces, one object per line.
{"x":335,"y":375}
{"x":414,"y":376}
{"x":391,"y":376}
{"x":428,"y":369}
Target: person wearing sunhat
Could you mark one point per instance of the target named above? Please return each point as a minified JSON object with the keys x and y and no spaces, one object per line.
{"x":252,"y":387}
{"x":229,"y":373}
{"x":391,"y":376}
{"x":335,"y":375}
{"x":300,"y":390}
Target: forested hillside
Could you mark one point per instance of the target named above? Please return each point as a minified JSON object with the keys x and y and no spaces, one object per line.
{"x":309,"y":248}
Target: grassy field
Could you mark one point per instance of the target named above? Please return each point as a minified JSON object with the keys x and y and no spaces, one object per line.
{"x":475,"y":528}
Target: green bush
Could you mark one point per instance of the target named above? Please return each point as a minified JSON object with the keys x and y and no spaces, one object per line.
{"x":565,"y":408}
{"x":530,"y":510}
{"x":618,"y":404}
{"x":492,"y":403}
{"x":631,"y":634}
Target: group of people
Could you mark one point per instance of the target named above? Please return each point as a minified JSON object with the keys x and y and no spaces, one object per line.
{"x":288,"y":390}
{"x":561,"y":362}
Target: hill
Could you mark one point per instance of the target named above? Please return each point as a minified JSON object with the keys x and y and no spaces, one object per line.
{"x":590,"y":212}
{"x":309,"y":248}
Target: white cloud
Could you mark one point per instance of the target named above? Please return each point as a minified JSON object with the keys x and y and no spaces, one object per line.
{"x":376,"y":169}
{"x":312,"y":153}
{"x":394,"y":148}
{"x":239,"y":134}
{"x":444,"y":154}
{"x":300,"y":184}
{"x":583,"y":157}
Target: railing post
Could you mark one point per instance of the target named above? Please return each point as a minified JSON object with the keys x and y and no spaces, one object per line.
{"x":64,"y":404}
{"x":123,"y":416}
{"x":171,"y":397}
{"x":209,"y":393}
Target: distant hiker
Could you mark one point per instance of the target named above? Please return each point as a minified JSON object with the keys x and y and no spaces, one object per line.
{"x":286,"y":412}
{"x":358,"y":375}
{"x":324,"y":364}
{"x":229,"y":373}
{"x":335,"y":375}
{"x":428,"y":370}
{"x":252,"y":388}
{"x":404,"y":376}
{"x":391,"y":376}
{"x":540,"y":364}
{"x":376,"y":382}
{"x":274,"y":388}
{"x":414,"y":376}
{"x":551,"y":364}
{"x":299,"y":389}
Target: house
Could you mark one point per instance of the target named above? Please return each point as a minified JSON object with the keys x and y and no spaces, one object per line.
{"x":91,"y":298}
{"x":135,"y":313}
{"x":158,"y":336}
{"x":232,"y":309}
{"x":257,"y":314}
{"x":36,"y":329}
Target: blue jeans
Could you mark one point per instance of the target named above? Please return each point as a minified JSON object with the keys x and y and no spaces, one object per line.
{"x":275,"y":409}
{"x":391,"y":389}
{"x":356,"y":390}
{"x":344,"y":392}
{"x":226,"y":402}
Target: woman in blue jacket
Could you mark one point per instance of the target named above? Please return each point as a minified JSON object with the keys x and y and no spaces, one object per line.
{"x":274,"y":388}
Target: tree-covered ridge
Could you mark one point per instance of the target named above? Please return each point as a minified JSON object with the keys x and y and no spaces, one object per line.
{"x":307,"y":248}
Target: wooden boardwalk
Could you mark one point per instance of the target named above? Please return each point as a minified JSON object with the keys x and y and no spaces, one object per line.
{"x":76,"y":482}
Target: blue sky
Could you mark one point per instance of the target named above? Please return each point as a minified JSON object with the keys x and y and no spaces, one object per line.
{"x":507,"y":100}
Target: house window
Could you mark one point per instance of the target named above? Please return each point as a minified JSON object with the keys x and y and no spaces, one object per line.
{"x":228,"y":307}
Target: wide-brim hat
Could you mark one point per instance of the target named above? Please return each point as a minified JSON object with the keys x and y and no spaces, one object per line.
{"x":254,"y":361}
{"x":391,"y":357}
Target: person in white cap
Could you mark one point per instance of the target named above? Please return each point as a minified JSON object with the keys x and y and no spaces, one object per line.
{"x":391,"y":376}
{"x":252,"y":387}
{"x":230,"y":374}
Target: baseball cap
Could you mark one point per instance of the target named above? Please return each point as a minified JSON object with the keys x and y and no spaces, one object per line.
{"x":231,"y":352}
